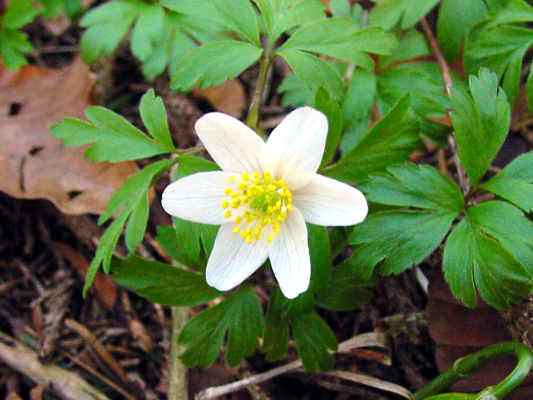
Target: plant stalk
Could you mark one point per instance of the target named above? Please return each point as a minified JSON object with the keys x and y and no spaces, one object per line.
{"x":255,"y":107}
{"x":467,"y":365}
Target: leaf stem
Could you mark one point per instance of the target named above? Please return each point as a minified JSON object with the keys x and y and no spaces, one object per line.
{"x":177,"y":385}
{"x":264,"y":66}
{"x":448,"y":84}
{"x":465,"y":366}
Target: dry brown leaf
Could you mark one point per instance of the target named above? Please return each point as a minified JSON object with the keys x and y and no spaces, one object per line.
{"x":228,"y":98}
{"x":33,"y":164}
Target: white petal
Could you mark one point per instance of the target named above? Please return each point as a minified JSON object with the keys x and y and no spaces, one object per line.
{"x":232,"y":145}
{"x":232,"y":260}
{"x":328,"y":202}
{"x":197,"y":197}
{"x":289,"y":256}
{"x":298,"y":142}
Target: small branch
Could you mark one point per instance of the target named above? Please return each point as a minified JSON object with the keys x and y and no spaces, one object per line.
{"x":448,"y":84}
{"x":365,"y":340}
{"x":65,"y":383}
{"x":264,"y":65}
{"x":177,"y":385}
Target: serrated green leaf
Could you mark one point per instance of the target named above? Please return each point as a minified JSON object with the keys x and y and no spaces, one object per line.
{"x":320,"y":254}
{"x":162,"y":283}
{"x":14,"y":45}
{"x":515,"y":182}
{"x":19,"y":13}
{"x":315,"y":341}
{"x":481,"y":120}
{"x":276,"y":334}
{"x":456,"y":17}
{"x":411,"y":44}
{"x":509,"y":226}
{"x":357,"y":105}
{"x":239,"y":16}
{"x":389,"y":142}
{"x":213,"y":63}
{"x":341,"y":38}
{"x":289,"y":14}
{"x":323,"y":102}
{"x":295,"y":92}
{"x":474,"y":262}
{"x":240,"y":316}
{"x":137,"y":224}
{"x":353,"y":288}
{"x":112,"y":137}
{"x":154,"y":117}
{"x":500,"y":45}
{"x":388,"y":13}
{"x":398,"y":239}
{"x":148,"y":32}
{"x":411,"y":185}
{"x":313,"y":72}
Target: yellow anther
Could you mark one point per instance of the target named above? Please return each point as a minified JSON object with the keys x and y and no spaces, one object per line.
{"x":261,"y":203}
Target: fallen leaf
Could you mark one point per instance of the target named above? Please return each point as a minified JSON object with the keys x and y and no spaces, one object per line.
{"x":33,"y":164}
{"x":228,"y":98}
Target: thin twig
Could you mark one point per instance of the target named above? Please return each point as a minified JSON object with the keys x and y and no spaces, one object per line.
{"x":67,"y":384}
{"x":370,"y":381}
{"x":365,"y":340}
{"x":264,"y":65}
{"x":448,"y":85}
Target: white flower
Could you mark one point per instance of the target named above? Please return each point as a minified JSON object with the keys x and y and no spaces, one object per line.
{"x":262,"y":198}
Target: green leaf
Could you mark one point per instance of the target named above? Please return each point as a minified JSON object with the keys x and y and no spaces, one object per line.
{"x":398,"y":239}
{"x":154,"y":117}
{"x":290,"y":14}
{"x":412,"y":44}
{"x":112,"y":137}
{"x":333,"y":112}
{"x":341,"y":38}
{"x":129,"y":203}
{"x":239,"y":16}
{"x":515,"y":182}
{"x":295,"y":92}
{"x":315,"y":342}
{"x":213,"y":63}
{"x":474,"y":262}
{"x":456,"y":17}
{"x":313,"y":72}
{"x":19,"y":13}
{"x":499,"y":46}
{"x":481,"y":120}
{"x":13,"y":47}
{"x":106,"y":26}
{"x":529,"y":89}
{"x":276,"y":334}
{"x":388,"y":13}
{"x":509,"y":226}
{"x":148,"y":32}
{"x":353,"y":288}
{"x":240,"y":316}
{"x":357,"y":105}
{"x":162,"y":283}
{"x":320,"y":254}
{"x":410,"y":185}
{"x":389,"y":142}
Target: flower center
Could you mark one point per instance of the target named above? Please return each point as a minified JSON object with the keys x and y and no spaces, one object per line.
{"x":258,"y":204}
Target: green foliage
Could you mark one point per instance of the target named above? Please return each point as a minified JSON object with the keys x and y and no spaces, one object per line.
{"x":480,"y":256}
{"x":239,"y":316}
{"x":14,"y":44}
{"x":389,"y":142}
{"x":129,"y":204}
{"x":333,"y":111}
{"x":55,"y":8}
{"x":314,"y":339}
{"x":456,"y":17}
{"x":401,"y":238}
{"x":481,"y":120}
{"x":162,"y":283}
{"x":213,"y":63}
{"x":500,"y":43}
{"x":515,"y":182}
{"x":113,"y":138}
{"x":388,"y":13}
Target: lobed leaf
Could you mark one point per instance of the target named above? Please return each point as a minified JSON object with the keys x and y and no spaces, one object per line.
{"x":389,"y":13}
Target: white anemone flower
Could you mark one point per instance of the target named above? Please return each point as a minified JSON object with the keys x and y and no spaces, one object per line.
{"x":263,"y":197}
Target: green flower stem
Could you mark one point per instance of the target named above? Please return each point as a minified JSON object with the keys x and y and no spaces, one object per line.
{"x":465,"y":366}
{"x":264,"y":66}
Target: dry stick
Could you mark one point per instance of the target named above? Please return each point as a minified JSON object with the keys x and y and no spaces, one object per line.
{"x":370,"y":381}
{"x":448,"y":84}
{"x":364,"y":340}
{"x":67,"y":384}
{"x":98,"y":347}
